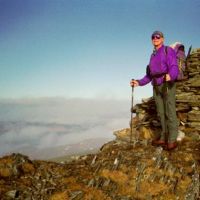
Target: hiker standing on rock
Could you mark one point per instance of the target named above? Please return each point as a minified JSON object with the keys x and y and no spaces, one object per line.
{"x":162,"y":72}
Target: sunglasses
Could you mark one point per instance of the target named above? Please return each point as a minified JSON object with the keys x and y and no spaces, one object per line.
{"x":155,"y":37}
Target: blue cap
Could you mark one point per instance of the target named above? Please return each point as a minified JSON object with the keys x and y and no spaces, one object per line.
{"x":157,"y":33}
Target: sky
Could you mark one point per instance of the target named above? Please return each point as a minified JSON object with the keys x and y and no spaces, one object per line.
{"x":86,"y":48}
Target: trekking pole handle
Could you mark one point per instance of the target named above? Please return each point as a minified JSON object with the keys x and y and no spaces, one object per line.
{"x":134,"y":83}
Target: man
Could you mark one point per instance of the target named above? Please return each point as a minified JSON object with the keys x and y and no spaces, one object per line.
{"x":162,"y":72}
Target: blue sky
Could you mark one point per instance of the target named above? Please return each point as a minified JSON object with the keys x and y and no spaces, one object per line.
{"x":86,"y":48}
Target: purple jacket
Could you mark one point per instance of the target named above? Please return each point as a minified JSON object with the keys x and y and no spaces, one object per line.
{"x":160,"y":63}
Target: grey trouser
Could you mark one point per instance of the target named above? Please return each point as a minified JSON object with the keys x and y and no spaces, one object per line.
{"x":165,"y":100}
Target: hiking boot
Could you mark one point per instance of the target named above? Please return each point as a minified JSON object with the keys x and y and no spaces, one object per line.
{"x":159,"y":142}
{"x":171,"y":145}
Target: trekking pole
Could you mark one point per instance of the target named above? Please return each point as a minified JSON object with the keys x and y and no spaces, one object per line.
{"x":131,"y":134}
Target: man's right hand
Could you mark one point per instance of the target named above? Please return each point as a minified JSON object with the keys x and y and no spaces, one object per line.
{"x":134,"y":83}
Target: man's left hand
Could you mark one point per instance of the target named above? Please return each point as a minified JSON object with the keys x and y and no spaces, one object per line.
{"x":167,"y":77}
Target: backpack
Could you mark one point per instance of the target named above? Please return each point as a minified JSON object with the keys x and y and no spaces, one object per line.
{"x":179,"y":49}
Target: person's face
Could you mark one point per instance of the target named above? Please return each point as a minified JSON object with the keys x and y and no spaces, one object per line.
{"x":157,"y":41}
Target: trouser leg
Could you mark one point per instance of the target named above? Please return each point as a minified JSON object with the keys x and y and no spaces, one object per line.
{"x":171,"y":118}
{"x":160,"y":107}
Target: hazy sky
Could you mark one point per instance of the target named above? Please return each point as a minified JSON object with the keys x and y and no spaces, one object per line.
{"x":86,"y":48}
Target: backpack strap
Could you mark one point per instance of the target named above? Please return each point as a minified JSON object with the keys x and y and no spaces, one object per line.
{"x":166,"y":52}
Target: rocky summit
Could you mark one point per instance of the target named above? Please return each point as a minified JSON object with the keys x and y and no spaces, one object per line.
{"x":128,"y":168}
